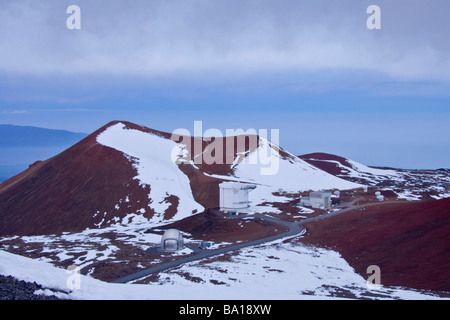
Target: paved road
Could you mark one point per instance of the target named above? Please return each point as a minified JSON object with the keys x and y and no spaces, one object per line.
{"x":295,"y":228}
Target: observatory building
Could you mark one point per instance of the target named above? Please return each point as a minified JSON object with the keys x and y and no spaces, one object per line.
{"x":379,"y":196}
{"x":317,"y":199}
{"x":172,"y":240}
{"x":234,"y":197}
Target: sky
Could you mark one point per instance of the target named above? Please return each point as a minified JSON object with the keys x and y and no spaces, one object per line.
{"x":311,"y":69}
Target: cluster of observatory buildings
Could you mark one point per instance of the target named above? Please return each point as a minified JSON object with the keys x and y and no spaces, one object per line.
{"x":234,"y":201}
{"x":234,"y":198}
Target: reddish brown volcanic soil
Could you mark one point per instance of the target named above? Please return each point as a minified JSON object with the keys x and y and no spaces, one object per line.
{"x":410,"y":242}
{"x":212,"y":226}
{"x":81,"y":187}
{"x":63,"y":193}
{"x":315,"y":159}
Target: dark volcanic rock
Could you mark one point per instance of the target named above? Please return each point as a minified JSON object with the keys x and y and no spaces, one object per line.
{"x":13,"y":289}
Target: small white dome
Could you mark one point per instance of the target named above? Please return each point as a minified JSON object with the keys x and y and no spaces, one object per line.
{"x":172,"y":240}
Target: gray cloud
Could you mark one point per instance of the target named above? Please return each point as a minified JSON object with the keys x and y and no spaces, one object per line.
{"x":166,"y":38}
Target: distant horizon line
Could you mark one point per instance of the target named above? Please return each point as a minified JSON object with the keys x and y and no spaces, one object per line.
{"x":297,"y":155}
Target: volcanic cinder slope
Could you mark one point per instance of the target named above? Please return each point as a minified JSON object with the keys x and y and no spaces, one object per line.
{"x":71,"y":191}
{"x":408,"y":241}
{"x":123,"y":170}
{"x":349,"y":169}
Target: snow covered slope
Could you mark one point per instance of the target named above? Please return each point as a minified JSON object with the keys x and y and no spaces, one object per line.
{"x":92,"y":185}
{"x":270,"y":272}
{"x":151,"y":156}
{"x":410,"y":184}
{"x":290,"y":172}
{"x":124,"y":171}
{"x":409,"y":241}
{"x":93,"y":205}
{"x":349,"y":169}
{"x":272,"y":169}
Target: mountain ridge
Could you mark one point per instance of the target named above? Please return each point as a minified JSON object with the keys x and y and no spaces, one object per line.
{"x":125,"y":171}
{"x":95,"y":182}
{"x":125,"y":177}
{"x":31,"y":136}
{"x":21,"y":146}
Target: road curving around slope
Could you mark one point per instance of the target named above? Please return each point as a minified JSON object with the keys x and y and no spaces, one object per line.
{"x":294,"y":229}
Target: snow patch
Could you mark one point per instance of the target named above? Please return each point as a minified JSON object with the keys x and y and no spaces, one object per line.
{"x":293,"y":175}
{"x":152,"y":158}
{"x":281,"y":271}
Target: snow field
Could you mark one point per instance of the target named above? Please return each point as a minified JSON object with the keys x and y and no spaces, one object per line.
{"x":277,"y":271}
{"x":293,"y":174}
{"x":152,"y":157}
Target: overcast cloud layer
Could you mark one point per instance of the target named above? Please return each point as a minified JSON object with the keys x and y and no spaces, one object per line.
{"x":154,"y":38}
{"x":308,"y":67}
